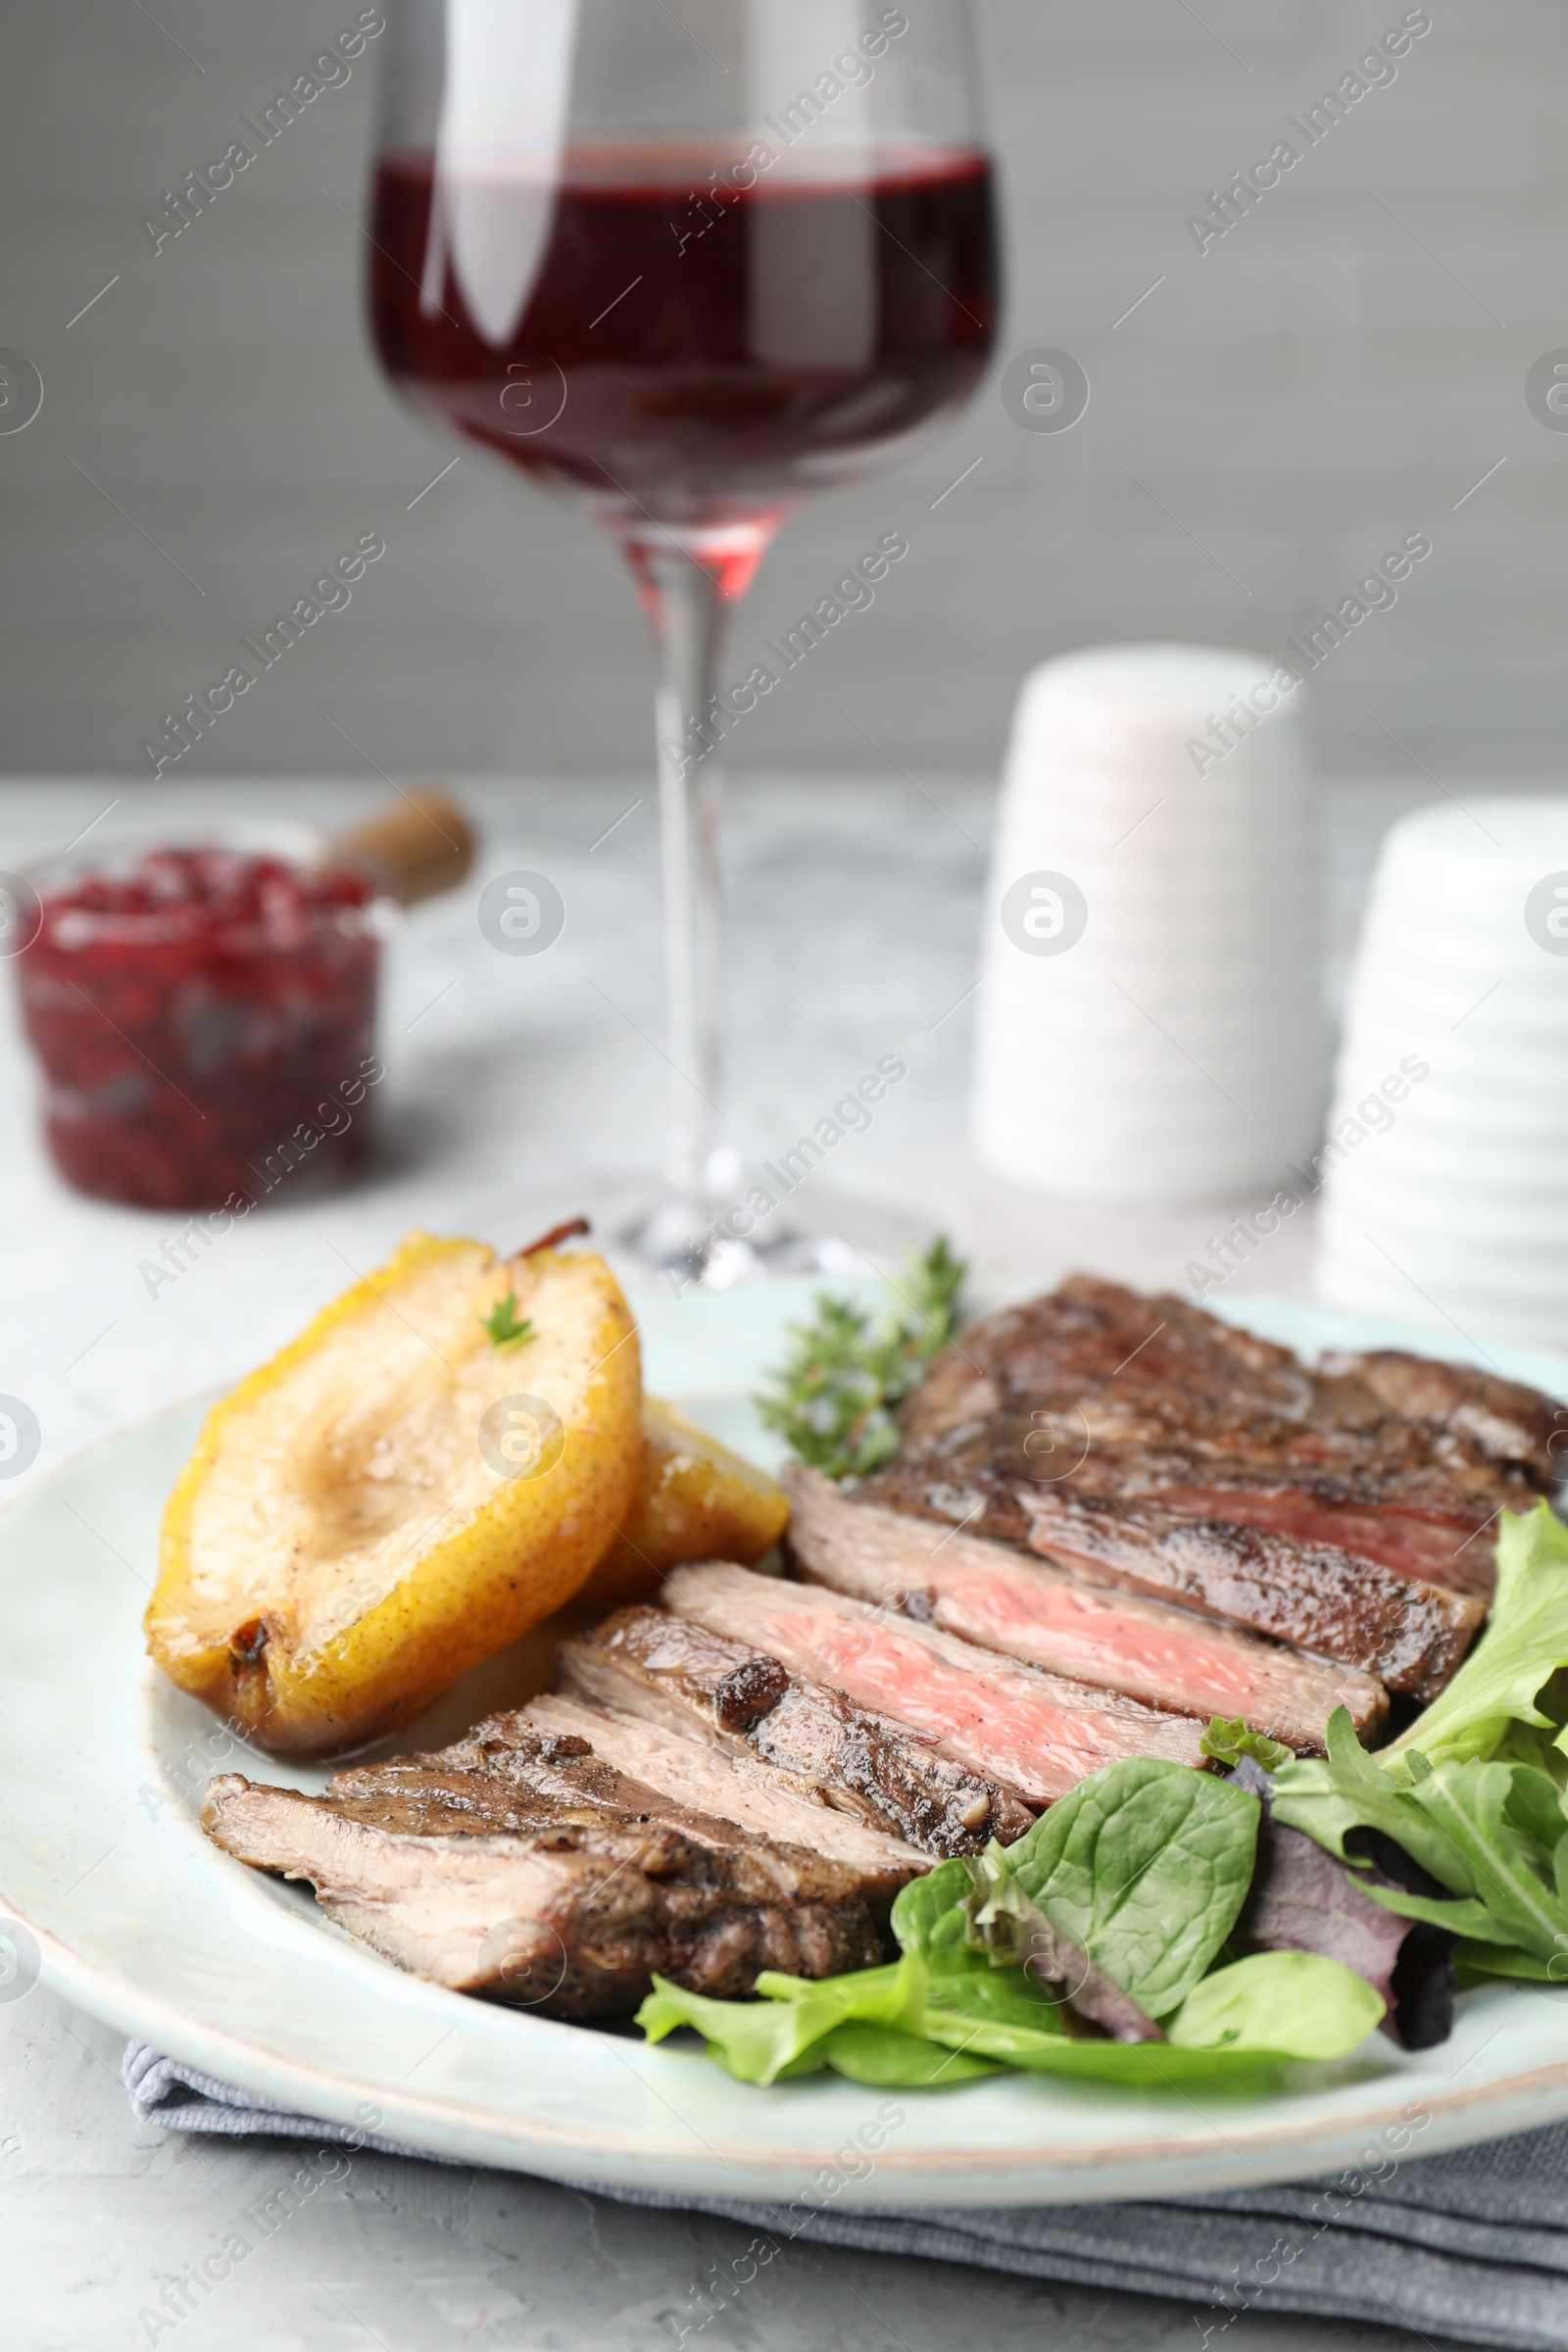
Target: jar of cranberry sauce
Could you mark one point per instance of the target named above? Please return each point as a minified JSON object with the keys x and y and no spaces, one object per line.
{"x":204,"y":1015}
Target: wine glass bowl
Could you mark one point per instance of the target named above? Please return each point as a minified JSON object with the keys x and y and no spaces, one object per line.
{"x":807,"y":330}
{"x":689,"y":262}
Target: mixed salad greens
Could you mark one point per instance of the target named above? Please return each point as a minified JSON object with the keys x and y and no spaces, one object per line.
{"x":1118,"y":1940}
{"x":1142,"y":1870}
{"x":1473,"y":1792}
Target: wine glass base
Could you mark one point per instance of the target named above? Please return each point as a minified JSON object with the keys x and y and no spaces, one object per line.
{"x":650,"y":1239}
{"x":669,"y":1244}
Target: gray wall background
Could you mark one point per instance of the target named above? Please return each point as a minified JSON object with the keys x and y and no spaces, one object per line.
{"x":1336,"y":373}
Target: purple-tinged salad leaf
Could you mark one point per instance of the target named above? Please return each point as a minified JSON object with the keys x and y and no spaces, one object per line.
{"x":1305,"y":1899}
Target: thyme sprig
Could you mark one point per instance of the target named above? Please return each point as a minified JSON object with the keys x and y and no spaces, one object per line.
{"x":834,"y":1398}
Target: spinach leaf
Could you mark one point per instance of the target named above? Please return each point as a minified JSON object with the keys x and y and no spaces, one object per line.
{"x":929,"y":1914}
{"x":1299,"y":2004}
{"x":1146,"y":1865}
{"x":971,"y":1986}
{"x":1006,"y":2014}
{"x":956,"y":2020}
{"x":894,"y":2061}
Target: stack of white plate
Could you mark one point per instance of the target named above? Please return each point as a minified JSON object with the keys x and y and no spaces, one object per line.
{"x":1150,"y":1023}
{"x":1446,"y":1163}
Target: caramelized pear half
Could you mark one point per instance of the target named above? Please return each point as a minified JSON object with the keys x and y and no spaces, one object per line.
{"x":423,"y":1475}
{"x":695,"y":1500}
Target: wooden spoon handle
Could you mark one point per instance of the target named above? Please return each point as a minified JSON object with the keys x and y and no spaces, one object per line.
{"x":417,"y":846}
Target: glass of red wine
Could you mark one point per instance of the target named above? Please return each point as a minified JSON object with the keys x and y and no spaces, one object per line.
{"x":688,"y":262}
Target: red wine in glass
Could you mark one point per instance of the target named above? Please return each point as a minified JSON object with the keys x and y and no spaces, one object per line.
{"x":689,"y":351}
{"x":689,"y":260}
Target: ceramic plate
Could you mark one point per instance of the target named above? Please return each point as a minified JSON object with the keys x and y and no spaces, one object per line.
{"x":134,"y":1916}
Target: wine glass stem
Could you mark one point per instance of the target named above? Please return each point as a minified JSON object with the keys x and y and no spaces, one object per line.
{"x":687,"y":608}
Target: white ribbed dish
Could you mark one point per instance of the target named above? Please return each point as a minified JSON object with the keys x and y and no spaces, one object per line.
{"x":1457,"y":1213}
{"x":1176,"y":1051}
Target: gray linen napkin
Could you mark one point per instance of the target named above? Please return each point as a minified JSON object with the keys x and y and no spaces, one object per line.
{"x":1472,"y":2245}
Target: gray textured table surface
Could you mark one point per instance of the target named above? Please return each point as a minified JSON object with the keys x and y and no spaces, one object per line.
{"x":856,"y":912}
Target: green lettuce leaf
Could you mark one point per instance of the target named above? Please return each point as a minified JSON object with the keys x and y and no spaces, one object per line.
{"x":1488,"y":1819}
{"x":1326,"y":1797}
{"x":1495,"y":1834}
{"x":1492,"y":1711}
{"x":1524,"y":1644}
{"x":782,"y":2032}
{"x":1297,"y":2003}
{"x":1146,"y":1865}
{"x":1227,"y":1741}
{"x":957,"y":2019}
{"x":1475,"y":1960}
{"x":1004,"y":2014}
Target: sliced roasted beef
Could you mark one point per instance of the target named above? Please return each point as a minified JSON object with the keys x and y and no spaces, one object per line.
{"x":816,"y":1742}
{"x":1167,"y":1365}
{"x":1108,"y":1393}
{"x":1038,"y":1733}
{"x":733,"y":1788}
{"x":1445,"y":1551}
{"x":1079,"y":1339}
{"x":1513,"y":1425}
{"x":1411,"y":1636}
{"x":1055,"y":1618}
{"x":519,"y":1865}
{"x":1404,"y":1517}
{"x":1317,"y":1595}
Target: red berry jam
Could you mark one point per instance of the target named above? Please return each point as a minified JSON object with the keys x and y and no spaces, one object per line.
{"x":205,"y":1023}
